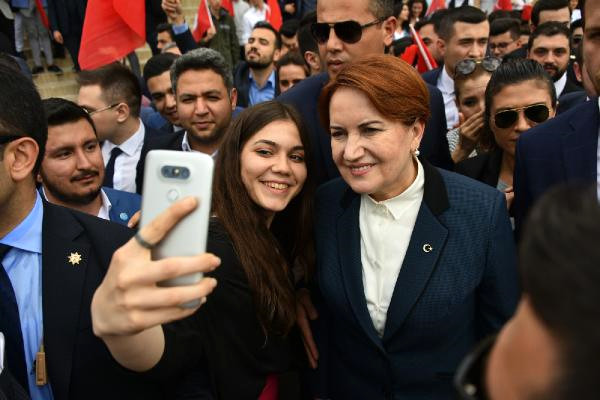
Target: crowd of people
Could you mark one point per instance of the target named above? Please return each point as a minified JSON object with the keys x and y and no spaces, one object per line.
{"x":375,"y":232}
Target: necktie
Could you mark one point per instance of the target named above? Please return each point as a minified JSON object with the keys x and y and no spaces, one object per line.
{"x":10,"y":325}
{"x":109,"y":171}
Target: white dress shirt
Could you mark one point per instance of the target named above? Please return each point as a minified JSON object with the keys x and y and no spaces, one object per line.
{"x":104,"y":211}
{"x":185,"y":146}
{"x":385,"y":231}
{"x":446,"y":86}
{"x":239,"y":9}
{"x":560,"y":84}
{"x":126,"y":163}
{"x":251,"y":17}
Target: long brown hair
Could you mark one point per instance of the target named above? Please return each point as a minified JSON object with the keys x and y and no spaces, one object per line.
{"x":266,"y":255}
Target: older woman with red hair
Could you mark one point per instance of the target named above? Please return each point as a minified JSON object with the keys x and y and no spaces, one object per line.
{"x":414,"y":264}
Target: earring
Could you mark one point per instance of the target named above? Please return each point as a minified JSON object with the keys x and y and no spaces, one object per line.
{"x":416,"y":152}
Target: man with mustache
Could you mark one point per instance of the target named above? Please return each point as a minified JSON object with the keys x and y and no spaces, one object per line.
{"x":550,"y":46}
{"x":72,"y":169}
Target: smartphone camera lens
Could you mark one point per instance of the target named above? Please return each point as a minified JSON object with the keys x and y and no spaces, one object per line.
{"x":185,"y":173}
{"x":171,"y":172}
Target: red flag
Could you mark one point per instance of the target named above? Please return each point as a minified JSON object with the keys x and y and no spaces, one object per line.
{"x":503,"y":5}
{"x":425,"y":61}
{"x":434,"y":6}
{"x":274,"y":14}
{"x":203,"y":21}
{"x":526,"y":12}
{"x":228,"y":5}
{"x":42,"y":12}
{"x":111,"y":30}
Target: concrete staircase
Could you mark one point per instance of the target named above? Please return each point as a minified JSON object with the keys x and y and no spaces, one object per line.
{"x":65,"y":85}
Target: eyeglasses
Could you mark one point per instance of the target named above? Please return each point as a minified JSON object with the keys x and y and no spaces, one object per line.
{"x":467,"y":66}
{"x":469,"y":380}
{"x":347,"y":31}
{"x":90,"y":113}
{"x":501,"y":45}
{"x":8,"y":138}
{"x":537,"y":113}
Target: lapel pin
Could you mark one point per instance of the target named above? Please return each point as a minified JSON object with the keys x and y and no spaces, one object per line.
{"x":74,"y":258}
{"x":427,"y":248}
{"x":124,"y":216}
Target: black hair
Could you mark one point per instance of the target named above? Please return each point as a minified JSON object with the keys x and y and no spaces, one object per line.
{"x":399,"y":46}
{"x":306,"y":41}
{"x":578,"y":23}
{"x":202,"y":58}
{"x":158,"y":65}
{"x":502,"y":25}
{"x":61,"y":111}
{"x":547,"y":5}
{"x":465,"y":14}
{"x":118,"y":84}
{"x":558,"y":266}
{"x":423,"y":12}
{"x":292,"y":58}
{"x":20,"y":110}
{"x":398,"y":10}
{"x":509,"y":73}
{"x":550,"y":28}
{"x":436,"y":18}
{"x":266,"y":25}
{"x":165,"y":27}
{"x":497,"y":14}
{"x":289,"y":28}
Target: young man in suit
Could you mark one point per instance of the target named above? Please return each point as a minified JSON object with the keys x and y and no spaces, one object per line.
{"x":203,"y":86}
{"x":564,"y":149}
{"x":112,"y":96}
{"x":52,"y":259}
{"x":72,"y":170}
{"x":335,"y":52}
{"x":158,"y":80}
{"x":463,"y":34}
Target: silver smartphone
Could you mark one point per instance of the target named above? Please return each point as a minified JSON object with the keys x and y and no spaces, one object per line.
{"x":170,"y":176}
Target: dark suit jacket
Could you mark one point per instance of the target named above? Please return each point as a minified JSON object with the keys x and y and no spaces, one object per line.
{"x":445,"y":299}
{"x":241,"y":81}
{"x":79,"y":364}
{"x":570,"y":100}
{"x":483,"y":167}
{"x":570,"y":87}
{"x":563,"y":149}
{"x":170,"y":141}
{"x":432,"y":76}
{"x":304,"y":96}
{"x":58,"y":16}
{"x":123,"y":205}
{"x":10,"y":389}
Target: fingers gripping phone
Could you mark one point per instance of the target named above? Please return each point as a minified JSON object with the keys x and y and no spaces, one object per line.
{"x":170,"y":176}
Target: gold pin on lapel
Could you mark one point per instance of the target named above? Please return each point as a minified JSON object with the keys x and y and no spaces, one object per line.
{"x":75,"y":258}
{"x":427,"y":248}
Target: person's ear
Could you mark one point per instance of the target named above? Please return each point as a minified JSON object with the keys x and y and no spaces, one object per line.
{"x":123,"y":112}
{"x":314,"y":62}
{"x":388,"y":28}
{"x":233,"y":95}
{"x":440,"y":44}
{"x":577,"y":72}
{"x":276,"y":55}
{"x":417,"y":130}
{"x":20,"y":157}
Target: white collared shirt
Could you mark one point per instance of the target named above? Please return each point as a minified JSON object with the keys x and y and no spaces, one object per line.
{"x":560,"y":84}
{"x":251,"y":17}
{"x":446,"y":85}
{"x":385,"y":231}
{"x":185,"y":146}
{"x":104,"y":212}
{"x":126,"y":163}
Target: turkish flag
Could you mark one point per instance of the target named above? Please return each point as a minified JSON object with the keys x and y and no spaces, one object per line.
{"x":503,"y":5}
{"x":420,"y":53}
{"x":434,"y":6}
{"x":204,"y":20}
{"x":111,"y":30}
{"x":274,"y":14}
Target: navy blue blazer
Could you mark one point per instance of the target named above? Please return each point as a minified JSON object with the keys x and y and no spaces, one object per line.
{"x":304,"y":97}
{"x":445,"y":300}
{"x":570,"y":100}
{"x":432,"y":76}
{"x":123,"y":204}
{"x":563,"y":149}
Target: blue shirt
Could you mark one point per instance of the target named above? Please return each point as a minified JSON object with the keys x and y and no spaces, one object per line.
{"x":23,"y":265}
{"x":258,"y":95}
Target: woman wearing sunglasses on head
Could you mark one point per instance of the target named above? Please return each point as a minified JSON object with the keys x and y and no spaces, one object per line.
{"x":470,"y":80}
{"x":414,"y":264}
{"x":519,"y":95}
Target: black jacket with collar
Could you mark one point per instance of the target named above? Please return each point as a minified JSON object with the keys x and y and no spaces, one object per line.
{"x":241,"y":81}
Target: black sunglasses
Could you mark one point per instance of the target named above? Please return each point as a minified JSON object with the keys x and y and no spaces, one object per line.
{"x":467,"y":66}
{"x":347,"y":31}
{"x":8,"y":138}
{"x":469,"y":380}
{"x":537,"y":113}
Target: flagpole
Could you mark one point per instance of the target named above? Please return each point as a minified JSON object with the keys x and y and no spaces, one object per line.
{"x":419,"y":43}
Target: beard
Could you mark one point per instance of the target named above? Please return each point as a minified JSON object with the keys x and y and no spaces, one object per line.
{"x":207,"y":140}
{"x":70,"y":198}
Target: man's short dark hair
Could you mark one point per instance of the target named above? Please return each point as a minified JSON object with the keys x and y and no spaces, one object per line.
{"x":268,"y":26}
{"x":550,"y":28}
{"x":547,"y":5}
{"x":158,"y":65}
{"x":60,"y":111}
{"x":502,"y":25}
{"x":21,"y":110}
{"x":289,"y":28}
{"x":559,"y":257}
{"x":291,"y":58}
{"x":165,"y":27}
{"x":436,"y":18}
{"x":497,"y":14}
{"x":306,"y":41}
{"x":465,"y":14}
{"x":118,"y":84}
{"x":200,"y":59}
{"x":578,"y":23}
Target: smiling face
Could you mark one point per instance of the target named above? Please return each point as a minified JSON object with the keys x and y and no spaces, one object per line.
{"x":335,"y":53}
{"x":272,"y":166}
{"x":372,"y":153}
{"x":72,"y":170}
{"x":516,"y":96}
{"x":204,"y":107}
{"x":163,"y":97}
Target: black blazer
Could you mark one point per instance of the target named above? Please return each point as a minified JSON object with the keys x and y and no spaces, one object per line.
{"x":483,"y":167}
{"x":79,"y":364}
{"x":570,"y":87}
{"x":432,"y":76}
{"x":165,"y":141}
{"x":241,"y":81}
{"x":305,"y":95}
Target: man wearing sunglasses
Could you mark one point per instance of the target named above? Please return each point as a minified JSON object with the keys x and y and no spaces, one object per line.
{"x":564,"y":149}
{"x":549,"y":349}
{"x":346,"y":30}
